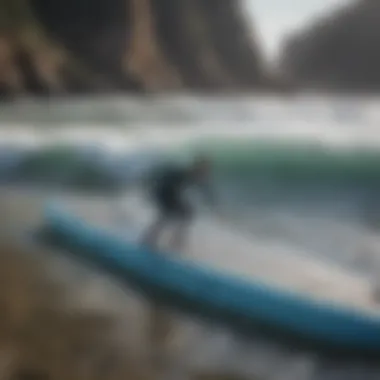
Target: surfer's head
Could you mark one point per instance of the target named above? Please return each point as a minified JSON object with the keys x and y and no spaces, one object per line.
{"x":201,"y":166}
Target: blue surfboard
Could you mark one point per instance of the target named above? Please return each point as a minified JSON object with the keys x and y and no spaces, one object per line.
{"x":216,"y":294}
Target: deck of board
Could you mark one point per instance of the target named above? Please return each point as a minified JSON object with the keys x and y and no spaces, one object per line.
{"x":218,"y":246}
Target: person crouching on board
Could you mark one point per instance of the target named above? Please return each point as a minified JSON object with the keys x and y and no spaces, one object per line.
{"x":168,"y":193}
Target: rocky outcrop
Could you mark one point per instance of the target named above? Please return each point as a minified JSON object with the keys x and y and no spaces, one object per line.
{"x":32,"y":62}
{"x":212,"y":47}
{"x":340,"y":51}
{"x":70,"y":46}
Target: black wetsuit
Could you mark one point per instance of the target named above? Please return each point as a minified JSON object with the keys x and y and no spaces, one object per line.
{"x":168,"y":192}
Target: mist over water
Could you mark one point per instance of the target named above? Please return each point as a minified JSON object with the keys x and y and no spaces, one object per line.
{"x":301,"y":172}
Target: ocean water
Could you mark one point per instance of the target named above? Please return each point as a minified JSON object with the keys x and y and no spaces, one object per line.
{"x":301,"y":172}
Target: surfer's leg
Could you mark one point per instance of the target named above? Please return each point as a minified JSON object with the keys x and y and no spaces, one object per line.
{"x":180,"y":236}
{"x":164,"y":207}
{"x":153,"y":233}
{"x":184,"y":214}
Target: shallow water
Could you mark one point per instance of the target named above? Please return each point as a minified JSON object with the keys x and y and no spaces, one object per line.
{"x":315,"y":202}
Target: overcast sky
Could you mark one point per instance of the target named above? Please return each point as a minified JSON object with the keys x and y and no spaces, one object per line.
{"x":274,"y":18}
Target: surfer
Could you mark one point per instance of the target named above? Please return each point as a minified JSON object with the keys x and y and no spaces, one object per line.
{"x":168,"y":192}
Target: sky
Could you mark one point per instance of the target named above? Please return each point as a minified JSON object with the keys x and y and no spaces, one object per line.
{"x":274,"y":18}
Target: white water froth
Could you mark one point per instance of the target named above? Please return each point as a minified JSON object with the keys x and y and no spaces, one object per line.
{"x":165,"y":122}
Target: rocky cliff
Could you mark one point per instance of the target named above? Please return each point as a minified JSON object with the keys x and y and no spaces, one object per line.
{"x":340,"y":51}
{"x":67,"y":46}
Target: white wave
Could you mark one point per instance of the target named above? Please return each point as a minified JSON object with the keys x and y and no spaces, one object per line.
{"x":169,"y":121}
